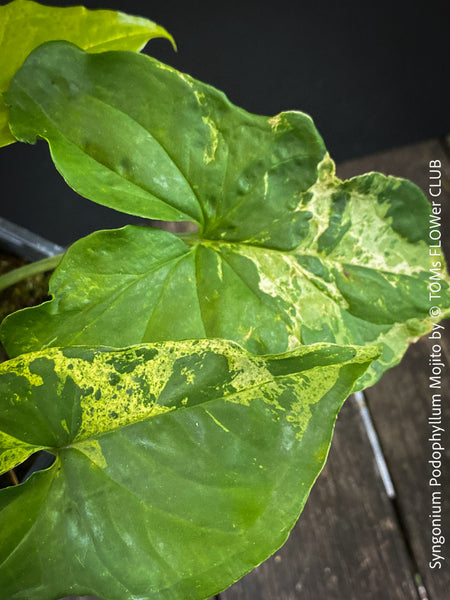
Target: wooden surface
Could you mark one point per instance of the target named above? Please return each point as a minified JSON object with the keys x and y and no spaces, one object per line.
{"x":352,"y":541}
{"x":401,"y":402}
{"x":346,"y":544}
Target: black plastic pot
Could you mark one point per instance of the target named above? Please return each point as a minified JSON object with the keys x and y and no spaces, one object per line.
{"x":22,"y":243}
{"x":25,"y":244}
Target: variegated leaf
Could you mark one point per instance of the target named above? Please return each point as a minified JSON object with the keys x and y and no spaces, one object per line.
{"x":25,"y":24}
{"x":134,"y":134}
{"x":286,"y":253}
{"x":179,"y":466}
{"x":140,"y":284}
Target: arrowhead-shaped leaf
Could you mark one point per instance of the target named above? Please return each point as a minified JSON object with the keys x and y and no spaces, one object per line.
{"x":286,"y":253}
{"x":179,"y":466}
{"x":134,"y":134}
{"x":24,"y":25}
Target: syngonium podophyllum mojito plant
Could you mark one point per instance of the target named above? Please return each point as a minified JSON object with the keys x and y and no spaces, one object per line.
{"x":187,"y":385}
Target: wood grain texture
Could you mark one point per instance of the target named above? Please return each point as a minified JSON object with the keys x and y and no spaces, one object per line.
{"x":401,"y":402}
{"x":347,"y":544}
{"x":351,"y":541}
{"x":400,"y":405}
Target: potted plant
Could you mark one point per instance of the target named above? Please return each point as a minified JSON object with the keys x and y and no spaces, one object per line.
{"x":188,"y":384}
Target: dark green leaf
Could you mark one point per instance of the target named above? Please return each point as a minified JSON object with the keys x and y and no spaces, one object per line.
{"x":286,"y":253}
{"x":140,"y":284}
{"x":179,"y":466}
{"x":134,"y":134}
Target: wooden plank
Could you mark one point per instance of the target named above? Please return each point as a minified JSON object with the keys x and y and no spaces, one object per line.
{"x":401,"y":402}
{"x":346,"y":543}
{"x":401,"y":405}
{"x":326,"y":568}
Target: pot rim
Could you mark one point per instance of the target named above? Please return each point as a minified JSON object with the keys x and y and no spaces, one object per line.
{"x":25,"y":243}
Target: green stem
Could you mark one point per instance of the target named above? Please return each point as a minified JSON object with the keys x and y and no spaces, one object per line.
{"x":189,"y":237}
{"x":40,"y":266}
{"x":13,"y":477}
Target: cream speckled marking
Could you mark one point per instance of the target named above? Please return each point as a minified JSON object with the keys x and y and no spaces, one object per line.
{"x":247,"y":371}
{"x":308,"y":388}
{"x":248,"y":335}
{"x":219,"y":266}
{"x":185,"y":78}
{"x":319,"y":382}
{"x":108,"y":412}
{"x":325,"y":185}
{"x":201,"y":97}
{"x":189,"y":374}
{"x":301,"y":290}
{"x":275,"y":121}
{"x":116,"y":386}
{"x":370,"y":235}
{"x":210,"y":150}
{"x":93,"y":450}
{"x":266,"y":184}
{"x":111,"y":399}
{"x":293,"y":342}
{"x":370,"y":242}
{"x":20,"y":366}
{"x":14,"y":451}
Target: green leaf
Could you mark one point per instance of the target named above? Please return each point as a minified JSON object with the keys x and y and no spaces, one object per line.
{"x":140,"y":284}
{"x":24,"y":25}
{"x":179,"y":466}
{"x":286,"y":253}
{"x":136,"y":135}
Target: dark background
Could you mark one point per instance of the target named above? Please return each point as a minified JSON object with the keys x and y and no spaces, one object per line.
{"x":373,"y":75}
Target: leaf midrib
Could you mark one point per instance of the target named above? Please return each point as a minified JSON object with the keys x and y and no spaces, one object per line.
{"x":215,"y":246}
{"x":38,"y":516}
{"x":192,"y":244}
{"x":224,"y":398}
{"x":123,"y":289}
{"x":109,"y":168}
{"x":147,"y":32}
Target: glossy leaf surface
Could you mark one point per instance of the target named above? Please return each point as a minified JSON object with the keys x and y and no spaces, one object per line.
{"x":286,"y":253}
{"x":140,"y":284}
{"x":179,"y":466}
{"x":134,"y":134}
{"x":24,"y":25}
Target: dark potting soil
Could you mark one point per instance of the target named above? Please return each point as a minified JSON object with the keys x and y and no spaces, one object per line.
{"x":29,"y":292}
